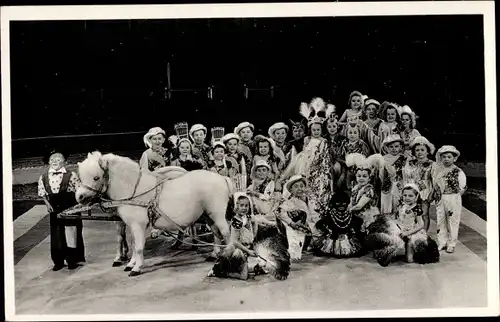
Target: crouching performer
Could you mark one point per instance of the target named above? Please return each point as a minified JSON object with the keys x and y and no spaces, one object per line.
{"x":297,"y":215}
{"x":340,"y":230}
{"x":406,"y":232}
{"x":252,"y":235}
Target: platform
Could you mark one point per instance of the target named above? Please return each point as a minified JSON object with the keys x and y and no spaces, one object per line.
{"x":176,"y":282}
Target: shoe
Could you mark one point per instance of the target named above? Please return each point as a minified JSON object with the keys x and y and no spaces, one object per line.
{"x":450,"y":249}
{"x":57,"y":267}
{"x":73,"y":266}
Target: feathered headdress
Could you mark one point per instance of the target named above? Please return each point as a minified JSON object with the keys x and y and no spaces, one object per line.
{"x":313,"y":111}
{"x":373,"y":162}
{"x":331,"y":112}
{"x":407,"y":110}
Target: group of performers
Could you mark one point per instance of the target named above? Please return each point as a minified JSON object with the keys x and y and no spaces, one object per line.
{"x":333,"y":186}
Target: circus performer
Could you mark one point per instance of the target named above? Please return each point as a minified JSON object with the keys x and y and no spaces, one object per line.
{"x":301,"y":164}
{"x":186,"y":159}
{"x":392,"y":182}
{"x":364,"y":198}
{"x":388,"y":236}
{"x":57,"y":186}
{"x":391,"y":123}
{"x":372,"y":121}
{"x":200,"y":149}
{"x":298,"y":135}
{"x":247,"y":145}
{"x":355,"y":107}
{"x":262,"y":188}
{"x":225,"y":166}
{"x":298,"y":216}
{"x":354,"y":144}
{"x":265,"y":150}
{"x":249,"y":231}
{"x":340,"y":230}
{"x":279,"y":132}
{"x":450,"y":183}
{"x":156,"y":156}
{"x":418,"y":169}
{"x":232,"y":141}
{"x":407,"y":129}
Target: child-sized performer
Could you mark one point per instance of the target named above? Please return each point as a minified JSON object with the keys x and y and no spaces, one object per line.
{"x":297,"y":215}
{"x":363,"y":196}
{"x":57,"y":187}
{"x":355,"y":107}
{"x":407,"y":129}
{"x":186,"y":159}
{"x":279,"y":132}
{"x":247,"y":145}
{"x":392,"y":182}
{"x":262,"y":188}
{"x":419,"y":170}
{"x":450,"y":184}
{"x":265,"y":150}
{"x":340,"y":230}
{"x":244,"y":160}
{"x":387,"y":236}
{"x":198,"y":134}
{"x":221,"y":163}
{"x":156,"y":156}
{"x":269,"y":248}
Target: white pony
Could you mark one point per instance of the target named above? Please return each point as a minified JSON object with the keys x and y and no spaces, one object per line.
{"x":146,"y":198}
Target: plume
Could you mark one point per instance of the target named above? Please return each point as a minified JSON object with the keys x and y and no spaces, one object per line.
{"x":330,"y":110}
{"x":318,"y":104}
{"x":354,"y":159}
{"x":305,"y":111}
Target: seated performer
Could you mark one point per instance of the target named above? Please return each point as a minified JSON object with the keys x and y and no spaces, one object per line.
{"x":186,"y":158}
{"x":340,"y":230}
{"x":387,"y":235}
{"x":270,"y":248}
{"x":156,"y":156}
{"x":297,"y":215}
{"x":57,"y":188}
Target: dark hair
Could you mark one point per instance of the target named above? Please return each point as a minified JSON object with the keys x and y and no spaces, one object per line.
{"x":415,"y":146}
{"x":309,"y":132}
{"x":218,"y":146}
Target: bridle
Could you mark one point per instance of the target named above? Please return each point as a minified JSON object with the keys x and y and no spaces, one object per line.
{"x":104,"y":187}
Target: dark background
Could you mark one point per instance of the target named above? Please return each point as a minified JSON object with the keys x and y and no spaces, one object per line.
{"x":81,"y":77}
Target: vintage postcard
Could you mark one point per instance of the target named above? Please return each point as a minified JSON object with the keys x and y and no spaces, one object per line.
{"x":250,"y":161}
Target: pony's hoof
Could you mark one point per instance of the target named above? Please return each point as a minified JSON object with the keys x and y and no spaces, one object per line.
{"x":124,"y":259}
{"x":128,"y":269}
{"x":133,"y":273}
{"x":116,"y":264}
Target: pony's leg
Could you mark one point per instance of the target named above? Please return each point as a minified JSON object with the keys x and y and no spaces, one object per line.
{"x":139,"y":232}
{"x":122,"y":249}
{"x":217,"y":241}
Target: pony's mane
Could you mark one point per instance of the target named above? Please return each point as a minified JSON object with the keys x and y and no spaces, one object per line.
{"x":113,"y":158}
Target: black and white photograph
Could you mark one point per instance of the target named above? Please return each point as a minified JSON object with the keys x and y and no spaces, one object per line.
{"x":198,"y":161}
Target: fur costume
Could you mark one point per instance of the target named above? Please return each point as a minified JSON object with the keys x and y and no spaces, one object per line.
{"x":267,"y":239}
{"x":340,"y":230}
{"x":385,"y":241}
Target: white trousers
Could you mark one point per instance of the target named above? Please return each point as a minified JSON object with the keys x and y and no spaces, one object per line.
{"x":70,"y":232}
{"x":449,"y":210}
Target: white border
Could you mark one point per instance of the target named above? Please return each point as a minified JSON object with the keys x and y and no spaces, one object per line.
{"x":485,"y":8}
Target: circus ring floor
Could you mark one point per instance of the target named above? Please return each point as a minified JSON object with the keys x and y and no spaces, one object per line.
{"x":178,"y":284}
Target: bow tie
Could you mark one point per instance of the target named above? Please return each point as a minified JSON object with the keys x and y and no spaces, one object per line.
{"x":56,"y":173}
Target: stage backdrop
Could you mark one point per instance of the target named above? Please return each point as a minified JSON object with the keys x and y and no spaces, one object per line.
{"x":87,"y":77}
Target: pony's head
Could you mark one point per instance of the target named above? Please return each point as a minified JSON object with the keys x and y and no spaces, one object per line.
{"x":93,"y":173}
